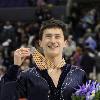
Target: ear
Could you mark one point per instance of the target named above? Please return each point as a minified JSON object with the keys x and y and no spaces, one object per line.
{"x":65,"y":43}
{"x":40,"y":43}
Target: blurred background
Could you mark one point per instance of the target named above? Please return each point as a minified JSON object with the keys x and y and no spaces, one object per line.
{"x":20,"y":21}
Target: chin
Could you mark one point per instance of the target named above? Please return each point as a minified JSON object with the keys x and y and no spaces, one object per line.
{"x":53,"y":54}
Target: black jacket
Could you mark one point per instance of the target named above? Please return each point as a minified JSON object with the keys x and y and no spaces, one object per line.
{"x":9,"y":91}
{"x":33,"y":85}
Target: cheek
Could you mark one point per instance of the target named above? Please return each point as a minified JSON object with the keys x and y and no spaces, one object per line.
{"x":43,"y":44}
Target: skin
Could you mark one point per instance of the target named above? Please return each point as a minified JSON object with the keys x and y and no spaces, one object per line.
{"x":20,"y":55}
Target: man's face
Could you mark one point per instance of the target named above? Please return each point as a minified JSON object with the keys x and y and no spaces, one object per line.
{"x":52,"y":42}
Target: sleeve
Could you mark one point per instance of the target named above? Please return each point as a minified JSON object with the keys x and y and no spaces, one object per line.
{"x":12,"y":73}
{"x":22,"y":85}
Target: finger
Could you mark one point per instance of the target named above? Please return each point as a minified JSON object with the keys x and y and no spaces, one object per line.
{"x":23,"y":60}
{"x":22,"y":52}
{"x":24,"y":49}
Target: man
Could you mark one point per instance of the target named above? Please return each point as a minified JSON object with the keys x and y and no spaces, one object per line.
{"x":50,"y":78}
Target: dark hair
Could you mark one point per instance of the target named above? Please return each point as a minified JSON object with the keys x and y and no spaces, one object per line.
{"x":51,"y":24}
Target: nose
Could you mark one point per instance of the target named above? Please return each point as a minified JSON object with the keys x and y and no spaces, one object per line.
{"x":53,"y":39}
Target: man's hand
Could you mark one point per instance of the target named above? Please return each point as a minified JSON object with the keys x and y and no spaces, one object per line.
{"x":20,"y":55}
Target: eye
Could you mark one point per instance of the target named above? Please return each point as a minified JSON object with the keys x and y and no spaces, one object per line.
{"x":58,"y":36}
{"x":48,"y":36}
